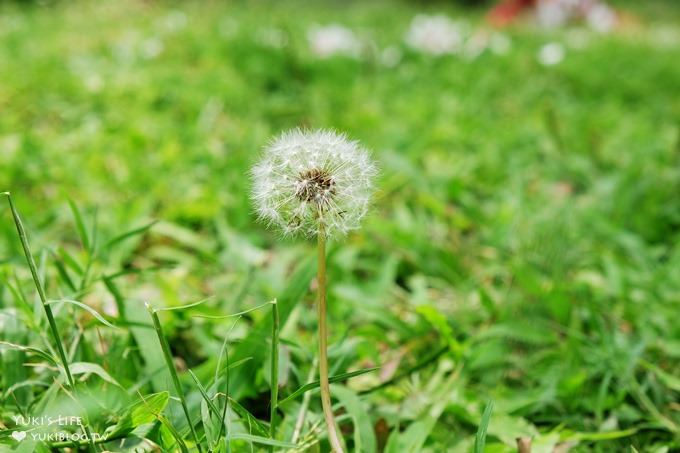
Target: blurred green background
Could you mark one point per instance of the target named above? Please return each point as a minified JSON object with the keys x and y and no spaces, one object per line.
{"x":525,"y":228}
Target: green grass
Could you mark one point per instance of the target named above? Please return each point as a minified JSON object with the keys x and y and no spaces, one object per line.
{"x":523,"y":248}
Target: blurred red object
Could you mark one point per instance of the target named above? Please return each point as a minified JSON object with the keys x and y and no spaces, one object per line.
{"x":507,"y":11}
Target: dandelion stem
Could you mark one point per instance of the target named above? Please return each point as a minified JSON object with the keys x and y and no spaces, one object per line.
{"x":274,"y":376}
{"x":173,"y":372}
{"x":325,"y":388}
{"x":48,"y":309}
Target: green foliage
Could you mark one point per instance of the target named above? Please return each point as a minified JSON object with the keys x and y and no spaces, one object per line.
{"x":523,"y":248}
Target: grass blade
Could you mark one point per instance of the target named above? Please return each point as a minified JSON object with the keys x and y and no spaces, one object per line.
{"x":240,"y":313}
{"x":87,"y":308}
{"x":39,"y":286}
{"x":93,"y":368}
{"x":312,"y":385}
{"x":129,"y":234}
{"x":43,"y":299}
{"x":173,"y":372}
{"x":257,"y":425}
{"x":80,"y":225}
{"x":63,"y":273}
{"x":183,"y":307}
{"x":364,"y":433}
{"x":480,"y":438}
{"x":32,"y":350}
{"x":204,"y":394}
{"x":274,"y":373}
{"x":261,"y":440}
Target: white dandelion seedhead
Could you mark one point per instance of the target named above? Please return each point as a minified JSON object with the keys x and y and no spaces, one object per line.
{"x":435,"y":35}
{"x":311,"y":179}
{"x":334,"y":39}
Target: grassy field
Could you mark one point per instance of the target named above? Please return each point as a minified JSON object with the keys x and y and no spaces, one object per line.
{"x":523,"y":247}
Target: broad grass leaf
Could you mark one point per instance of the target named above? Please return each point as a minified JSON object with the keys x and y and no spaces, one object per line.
{"x":129,"y":234}
{"x":480,"y":438}
{"x":413,"y":438}
{"x":140,"y":413}
{"x":508,"y":428}
{"x":22,"y":384}
{"x":261,"y":440}
{"x":210,"y":425}
{"x":149,"y":347}
{"x":670,"y":381}
{"x":598,"y":436}
{"x":80,"y":225}
{"x":93,"y":368}
{"x":364,"y":434}
{"x":32,"y":350}
{"x":89,"y":309}
{"x":249,"y":418}
{"x":313,"y":385}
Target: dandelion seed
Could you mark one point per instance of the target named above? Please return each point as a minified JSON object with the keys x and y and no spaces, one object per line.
{"x":307,"y":179}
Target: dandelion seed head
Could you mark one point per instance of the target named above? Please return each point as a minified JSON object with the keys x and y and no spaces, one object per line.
{"x":332,"y":40}
{"x":310,"y":178}
{"x":435,"y":35}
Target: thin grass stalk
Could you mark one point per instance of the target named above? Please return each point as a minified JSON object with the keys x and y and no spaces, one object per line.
{"x":225,"y":422}
{"x":299,"y":423}
{"x":274,"y":373}
{"x":325,"y":388}
{"x":173,"y":372}
{"x":48,"y":309}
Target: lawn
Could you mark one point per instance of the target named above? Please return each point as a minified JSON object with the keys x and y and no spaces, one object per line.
{"x":521,"y":254}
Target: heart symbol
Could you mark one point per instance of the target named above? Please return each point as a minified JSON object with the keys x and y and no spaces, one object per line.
{"x":19,"y":435}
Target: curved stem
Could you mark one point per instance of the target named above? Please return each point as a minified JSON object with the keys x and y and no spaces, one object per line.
{"x":325,"y":388}
{"x":48,"y":312}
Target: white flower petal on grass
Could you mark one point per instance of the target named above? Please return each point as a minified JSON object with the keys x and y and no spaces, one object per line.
{"x":551,"y":54}
{"x":333,"y":40}
{"x":556,"y":13}
{"x":601,"y":18}
{"x":435,"y":35}
{"x":553,"y":13}
{"x":305,"y":178}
